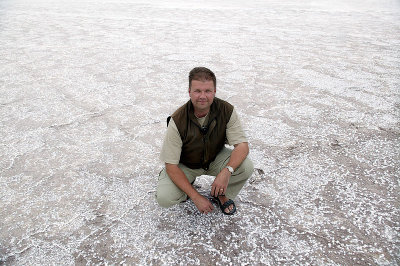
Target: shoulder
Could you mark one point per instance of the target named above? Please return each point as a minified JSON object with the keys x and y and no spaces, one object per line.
{"x":223,"y":105}
{"x":172,"y":126}
{"x":234,"y":117}
{"x":180,"y":115}
{"x":180,"y":118}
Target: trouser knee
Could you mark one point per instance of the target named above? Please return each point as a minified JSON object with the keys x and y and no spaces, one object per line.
{"x":246,"y":168}
{"x":164,"y":201}
{"x":167,"y":197}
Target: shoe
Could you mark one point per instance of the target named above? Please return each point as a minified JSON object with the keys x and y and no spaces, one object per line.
{"x":226,"y":205}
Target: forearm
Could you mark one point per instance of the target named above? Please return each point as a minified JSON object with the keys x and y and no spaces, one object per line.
{"x":221,"y":181}
{"x":238,"y":155}
{"x":180,"y":180}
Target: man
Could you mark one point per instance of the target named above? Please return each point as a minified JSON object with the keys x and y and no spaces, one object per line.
{"x":194,"y":145}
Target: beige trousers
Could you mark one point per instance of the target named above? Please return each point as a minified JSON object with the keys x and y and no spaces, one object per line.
{"x":168,"y":194}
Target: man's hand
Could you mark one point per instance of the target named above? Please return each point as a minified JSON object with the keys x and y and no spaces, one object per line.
{"x":203,"y":204}
{"x":178,"y":177}
{"x":220,"y":183}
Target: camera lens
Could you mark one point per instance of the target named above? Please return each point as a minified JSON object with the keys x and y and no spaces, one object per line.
{"x":204,"y":130}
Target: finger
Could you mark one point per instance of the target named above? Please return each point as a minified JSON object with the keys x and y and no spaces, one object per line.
{"x":212,"y":191}
{"x":216,"y":192}
{"x":208,"y":207}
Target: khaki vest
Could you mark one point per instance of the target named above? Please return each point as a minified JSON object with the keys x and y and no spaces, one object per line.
{"x":201,"y":146}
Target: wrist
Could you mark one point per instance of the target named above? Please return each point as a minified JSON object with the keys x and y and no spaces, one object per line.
{"x":194,"y":195}
{"x":230,"y":169}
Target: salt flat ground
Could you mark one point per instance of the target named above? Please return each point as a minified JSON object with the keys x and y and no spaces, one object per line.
{"x":85,"y":89}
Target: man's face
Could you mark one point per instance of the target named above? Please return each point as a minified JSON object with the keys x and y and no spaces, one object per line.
{"x":202,"y":94}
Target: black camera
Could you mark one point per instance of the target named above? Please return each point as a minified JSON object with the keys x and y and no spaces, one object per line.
{"x":203,"y":130}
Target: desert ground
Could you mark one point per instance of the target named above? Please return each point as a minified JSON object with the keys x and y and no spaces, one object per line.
{"x":85,"y":90}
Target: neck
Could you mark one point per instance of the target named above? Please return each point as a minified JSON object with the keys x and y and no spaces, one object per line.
{"x":200,"y":114}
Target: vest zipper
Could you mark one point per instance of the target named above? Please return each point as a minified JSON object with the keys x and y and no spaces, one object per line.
{"x":204,"y":151}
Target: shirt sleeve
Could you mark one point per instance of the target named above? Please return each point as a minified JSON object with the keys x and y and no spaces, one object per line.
{"x":234,"y":130}
{"x":172,"y":145}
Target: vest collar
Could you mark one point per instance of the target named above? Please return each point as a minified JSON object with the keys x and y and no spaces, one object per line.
{"x":212,"y":114}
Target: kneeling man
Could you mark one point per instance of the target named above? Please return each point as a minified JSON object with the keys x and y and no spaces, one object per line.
{"x":194,"y":145}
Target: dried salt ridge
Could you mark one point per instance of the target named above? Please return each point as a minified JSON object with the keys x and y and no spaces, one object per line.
{"x":85,"y":87}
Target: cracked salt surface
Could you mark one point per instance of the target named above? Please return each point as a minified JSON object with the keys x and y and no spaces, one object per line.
{"x":85,"y":89}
